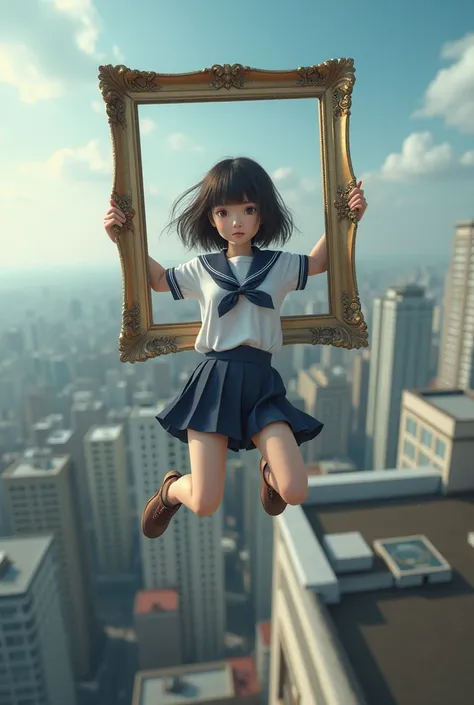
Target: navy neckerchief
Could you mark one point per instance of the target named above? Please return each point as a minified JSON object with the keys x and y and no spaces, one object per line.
{"x":217,"y":265}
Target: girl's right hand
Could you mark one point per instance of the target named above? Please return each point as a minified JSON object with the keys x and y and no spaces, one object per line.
{"x":114,"y":216}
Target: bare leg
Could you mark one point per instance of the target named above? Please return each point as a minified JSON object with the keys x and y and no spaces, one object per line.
{"x":202,"y":490}
{"x":286,"y":472}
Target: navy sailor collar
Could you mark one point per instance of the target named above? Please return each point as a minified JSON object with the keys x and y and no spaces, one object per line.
{"x":217,"y":266}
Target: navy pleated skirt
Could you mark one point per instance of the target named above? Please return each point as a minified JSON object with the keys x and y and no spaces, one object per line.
{"x":235,"y":393}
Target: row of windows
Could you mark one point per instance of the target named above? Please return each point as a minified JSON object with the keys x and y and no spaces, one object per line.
{"x":44,"y":490}
{"x":420,"y":458}
{"x":427,"y":438}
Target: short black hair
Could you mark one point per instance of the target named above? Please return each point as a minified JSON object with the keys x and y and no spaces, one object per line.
{"x":232,"y":180}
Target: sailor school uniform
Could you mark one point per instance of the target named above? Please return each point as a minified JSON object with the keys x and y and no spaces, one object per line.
{"x":235,"y":391}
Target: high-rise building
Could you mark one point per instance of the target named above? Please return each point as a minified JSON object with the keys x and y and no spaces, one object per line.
{"x":370,"y":574}
{"x":85,"y":413}
{"x":258,"y":533}
{"x":35,"y":660}
{"x":456,"y":355}
{"x":437,"y":430}
{"x":188,"y":557}
{"x":106,"y":465}
{"x":400,"y":359}
{"x":41,"y":498}
{"x":360,"y":391}
{"x":327,"y":396}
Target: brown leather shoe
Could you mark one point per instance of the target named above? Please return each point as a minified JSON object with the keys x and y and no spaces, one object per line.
{"x":156,"y":515}
{"x":271,"y":500}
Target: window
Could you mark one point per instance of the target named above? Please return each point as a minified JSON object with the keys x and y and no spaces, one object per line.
{"x":411,"y":426}
{"x":409,"y":449}
{"x":440,"y":448}
{"x":426,"y":438}
{"x":423,"y":460}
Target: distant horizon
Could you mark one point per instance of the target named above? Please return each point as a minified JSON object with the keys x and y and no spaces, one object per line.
{"x":406,"y":258}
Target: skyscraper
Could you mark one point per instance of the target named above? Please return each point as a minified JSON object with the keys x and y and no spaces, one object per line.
{"x":327,"y":396}
{"x":106,"y":465}
{"x":456,"y":356}
{"x":360,"y":389}
{"x":400,"y":359}
{"x":41,"y":498}
{"x":36,"y":666}
{"x":188,"y":557}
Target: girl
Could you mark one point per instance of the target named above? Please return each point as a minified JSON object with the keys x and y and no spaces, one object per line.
{"x":234,"y":399}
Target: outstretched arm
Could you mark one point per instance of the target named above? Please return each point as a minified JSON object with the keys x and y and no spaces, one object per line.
{"x":157,"y":273}
{"x":318,"y":259}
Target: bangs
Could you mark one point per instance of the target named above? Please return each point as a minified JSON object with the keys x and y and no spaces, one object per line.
{"x":234,"y":184}
{"x":230,"y":181}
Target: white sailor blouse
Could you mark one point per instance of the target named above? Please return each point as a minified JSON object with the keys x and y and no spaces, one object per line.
{"x":240,"y":297}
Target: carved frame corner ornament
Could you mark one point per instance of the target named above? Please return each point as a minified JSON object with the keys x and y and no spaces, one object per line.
{"x":351,"y":333}
{"x":331,"y":83}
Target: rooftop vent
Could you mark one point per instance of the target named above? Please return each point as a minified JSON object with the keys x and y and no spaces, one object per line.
{"x":5,"y":563}
{"x":175,"y":684}
{"x":40,"y":458}
{"x":413,"y":560}
{"x":348,"y":552}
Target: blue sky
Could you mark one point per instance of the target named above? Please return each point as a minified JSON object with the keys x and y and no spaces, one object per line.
{"x":412,"y":125}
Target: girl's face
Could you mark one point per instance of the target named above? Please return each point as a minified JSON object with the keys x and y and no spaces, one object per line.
{"x":236,"y":223}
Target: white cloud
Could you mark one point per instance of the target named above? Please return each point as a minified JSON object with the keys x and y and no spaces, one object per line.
{"x":87,"y":17}
{"x":467,"y":159}
{"x":450,"y":95}
{"x":419,"y":156}
{"x":147,"y":125}
{"x":88,"y":156}
{"x":117,"y":54}
{"x":282,"y":173}
{"x":18,"y":68}
{"x":180,"y":142}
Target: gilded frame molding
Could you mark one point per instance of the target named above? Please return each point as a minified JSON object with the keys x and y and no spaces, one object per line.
{"x":124,"y":89}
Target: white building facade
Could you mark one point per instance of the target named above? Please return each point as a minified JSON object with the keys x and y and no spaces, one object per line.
{"x":400,"y":359}
{"x":188,"y":557}
{"x":35,"y":666}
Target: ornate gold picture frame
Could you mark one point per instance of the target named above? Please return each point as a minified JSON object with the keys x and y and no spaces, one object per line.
{"x":331,"y":82}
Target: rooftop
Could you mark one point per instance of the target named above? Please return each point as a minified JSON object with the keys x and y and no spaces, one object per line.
{"x":102,"y":434}
{"x":59,"y":437}
{"x":147,"y":601}
{"x":185,"y":684}
{"x":196,"y":683}
{"x":25,"y":556}
{"x":457,"y":404}
{"x":85,"y":404}
{"x":34,"y":464}
{"x":147,"y":411}
{"x":408,"y":645}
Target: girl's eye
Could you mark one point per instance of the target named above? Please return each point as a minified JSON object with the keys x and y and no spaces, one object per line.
{"x":252,"y":209}
{"x":222,"y":213}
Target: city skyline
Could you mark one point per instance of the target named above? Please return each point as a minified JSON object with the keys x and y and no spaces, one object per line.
{"x":411,"y":132}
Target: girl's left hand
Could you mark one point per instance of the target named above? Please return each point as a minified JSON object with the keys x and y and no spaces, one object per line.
{"x":357,"y":200}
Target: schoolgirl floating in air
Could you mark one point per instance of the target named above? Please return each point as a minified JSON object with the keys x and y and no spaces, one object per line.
{"x":234,"y":399}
